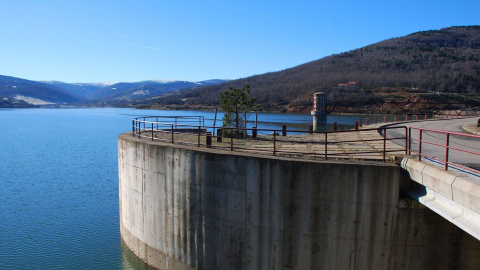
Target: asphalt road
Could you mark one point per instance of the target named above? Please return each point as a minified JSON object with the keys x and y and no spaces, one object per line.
{"x":451,"y":125}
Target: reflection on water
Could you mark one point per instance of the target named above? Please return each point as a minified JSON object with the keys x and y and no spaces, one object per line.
{"x":130,"y":261}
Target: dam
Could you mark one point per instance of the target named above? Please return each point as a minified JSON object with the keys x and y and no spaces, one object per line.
{"x":189,"y":207}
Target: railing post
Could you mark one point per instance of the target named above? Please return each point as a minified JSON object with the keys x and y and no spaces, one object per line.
{"x":219,"y":135}
{"x":395,"y":118}
{"x":406,"y":117}
{"x":152,"y":131}
{"x":172,"y":134}
{"x":446,"y":151}
{"x":416,"y":117}
{"x":356,"y":125}
{"x":335,"y":127}
{"x":284,"y":130}
{"x":409,"y":141}
{"x":384,"y":143}
{"x":310,"y":129}
{"x":406,"y":139}
{"x":254,"y":132}
{"x":367,"y":122}
{"x":208,"y":139}
{"x":360,"y":124}
{"x":375,"y":120}
{"x":198,"y":142}
{"x":425,"y":117}
{"x":326,"y":143}
{"x":133,"y":127}
{"x":420,"y":145}
{"x":274,"y":142}
{"x":231,"y":139}
{"x":384,"y":119}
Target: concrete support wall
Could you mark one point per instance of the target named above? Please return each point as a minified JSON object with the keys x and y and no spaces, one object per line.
{"x":186,"y":208}
{"x":427,"y":241}
{"x":459,"y":187}
{"x":453,"y":195}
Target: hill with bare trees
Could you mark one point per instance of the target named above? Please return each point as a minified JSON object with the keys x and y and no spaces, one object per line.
{"x":415,"y":66}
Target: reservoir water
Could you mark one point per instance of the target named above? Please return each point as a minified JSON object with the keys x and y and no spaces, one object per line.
{"x":59,"y":184}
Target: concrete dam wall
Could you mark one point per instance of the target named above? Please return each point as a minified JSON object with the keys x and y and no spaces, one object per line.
{"x":192,"y":208}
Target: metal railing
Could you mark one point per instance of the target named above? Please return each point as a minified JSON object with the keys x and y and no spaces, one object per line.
{"x":329,"y":144}
{"x":138,"y":121}
{"x":190,"y":130}
{"x":444,"y":143}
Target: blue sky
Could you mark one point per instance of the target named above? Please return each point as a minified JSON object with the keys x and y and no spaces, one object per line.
{"x":114,"y":41}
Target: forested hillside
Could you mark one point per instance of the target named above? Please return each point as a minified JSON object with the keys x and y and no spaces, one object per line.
{"x":445,"y":60}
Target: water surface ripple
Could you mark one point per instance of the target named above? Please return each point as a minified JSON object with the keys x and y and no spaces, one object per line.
{"x":59,"y":190}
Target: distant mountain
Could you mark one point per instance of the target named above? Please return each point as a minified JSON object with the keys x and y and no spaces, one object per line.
{"x":84,"y":90}
{"x":446,"y":60}
{"x":144,"y":89}
{"x":18,"y":92}
{"x":34,"y":92}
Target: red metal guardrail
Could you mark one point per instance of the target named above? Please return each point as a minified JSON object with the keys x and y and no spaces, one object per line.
{"x":268,"y":140}
{"x":443,"y":139}
{"x":416,"y":117}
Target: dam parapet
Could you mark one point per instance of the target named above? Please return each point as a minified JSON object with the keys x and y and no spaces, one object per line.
{"x":367,"y":143}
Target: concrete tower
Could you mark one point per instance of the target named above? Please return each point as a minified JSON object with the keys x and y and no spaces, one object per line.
{"x":319,"y":111}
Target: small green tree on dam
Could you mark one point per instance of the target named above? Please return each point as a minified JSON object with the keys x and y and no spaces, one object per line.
{"x":237,"y":106}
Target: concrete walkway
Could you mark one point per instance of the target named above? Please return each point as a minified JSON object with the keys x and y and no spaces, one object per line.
{"x":472,"y":128}
{"x":364,"y":144}
{"x":453,"y":194}
{"x":439,"y":152}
